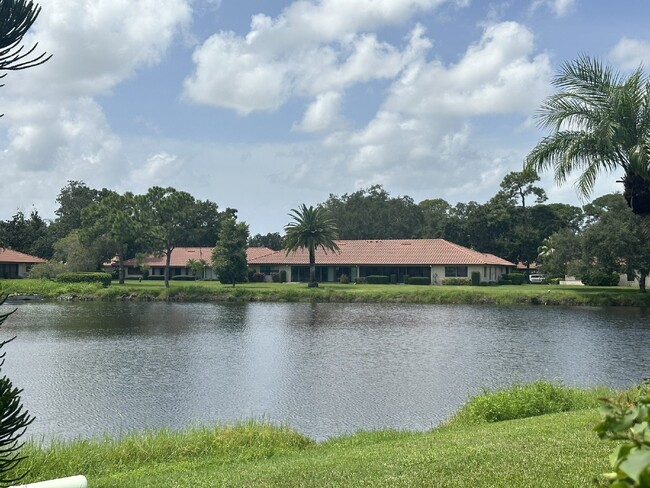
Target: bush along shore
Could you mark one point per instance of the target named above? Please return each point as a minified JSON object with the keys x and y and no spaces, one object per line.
{"x":536,"y":435}
{"x":203,"y":291}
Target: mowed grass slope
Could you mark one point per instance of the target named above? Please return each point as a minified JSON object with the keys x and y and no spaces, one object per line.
{"x":334,"y":292}
{"x":556,"y":450}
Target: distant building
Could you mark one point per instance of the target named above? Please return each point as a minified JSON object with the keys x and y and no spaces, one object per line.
{"x":434,"y":258}
{"x":15,"y":264}
{"x":178,"y":263}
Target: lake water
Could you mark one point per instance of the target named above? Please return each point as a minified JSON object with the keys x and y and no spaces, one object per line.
{"x":324,"y":369}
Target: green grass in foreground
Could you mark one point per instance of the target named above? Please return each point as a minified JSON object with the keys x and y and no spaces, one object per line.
{"x":334,"y":292}
{"x":557,"y":450}
{"x":553,"y":450}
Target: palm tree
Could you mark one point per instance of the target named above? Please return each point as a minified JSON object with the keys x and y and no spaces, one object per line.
{"x":311,"y":228}
{"x":601,"y":123}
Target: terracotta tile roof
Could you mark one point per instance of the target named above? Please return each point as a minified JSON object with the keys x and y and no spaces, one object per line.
{"x":181,"y":255}
{"x":11,"y":256}
{"x":388,"y":252}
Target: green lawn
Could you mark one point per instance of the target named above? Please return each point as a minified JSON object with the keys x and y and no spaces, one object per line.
{"x":333,"y":292}
{"x":557,"y":450}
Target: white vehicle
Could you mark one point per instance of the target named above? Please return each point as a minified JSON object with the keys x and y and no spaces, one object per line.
{"x":536,"y":278}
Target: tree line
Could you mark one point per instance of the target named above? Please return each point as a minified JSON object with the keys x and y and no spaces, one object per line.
{"x":93,"y":226}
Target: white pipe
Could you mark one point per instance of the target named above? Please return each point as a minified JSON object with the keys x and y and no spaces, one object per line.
{"x":71,"y":482}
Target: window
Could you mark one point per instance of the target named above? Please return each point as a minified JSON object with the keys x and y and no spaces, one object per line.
{"x":267,"y":270}
{"x":455,"y":271}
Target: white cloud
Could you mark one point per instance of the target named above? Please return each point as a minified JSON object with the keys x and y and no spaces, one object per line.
{"x":630,"y":53}
{"x":157,"y":170}
{"x":56,"y":130}
{"x":322,"y":114}
{"x":98,"y":43}
{"x":310,"y":49}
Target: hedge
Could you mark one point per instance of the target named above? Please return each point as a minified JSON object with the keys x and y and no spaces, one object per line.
{"x":377,"y":280}
{"x":517,"y":278}
{"x":183,"y":278}
{"x":103,"y":278}
{"x":419,"y":280}
{"x":599,"y":278}
{"x":457,"y":281}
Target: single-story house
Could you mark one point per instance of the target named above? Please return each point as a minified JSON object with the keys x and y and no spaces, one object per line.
{"x":434,"y":258}
{"x":178,"y":263}
{"x":15,"y":264}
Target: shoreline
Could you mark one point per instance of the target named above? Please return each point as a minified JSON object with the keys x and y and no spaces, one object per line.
{"x":26,"y":290}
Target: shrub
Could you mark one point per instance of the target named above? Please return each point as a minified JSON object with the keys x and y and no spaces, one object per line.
{"x":275,"y":277}
{"x":258,"y":277}
{"x":505,"y":281}
{"x":283,"y":276}
{"x":82,"y":277}
{"x":517,"y":278}
{"x":593,"y":277}
{"x":476,"y":278}
{"x":419,"y":280}
{"x":49,"y":270}
{"x":521,"y":401}
{"x":456,"y":281}
{"x":154,"y":278}
{"x":492,"y":283}
{"x":183,"y":278}
{"x":483,"y":283}
{"x":553,"y":281}
{"x":377,"y":280}
{"x":344,"y":279}
{"x":627,"y":420}
{"x":360,"y":280}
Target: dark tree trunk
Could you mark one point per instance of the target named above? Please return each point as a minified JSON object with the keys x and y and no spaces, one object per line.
{"x":168,"y":258}
{"x":120,"y":264}
{"x":642,"y":277}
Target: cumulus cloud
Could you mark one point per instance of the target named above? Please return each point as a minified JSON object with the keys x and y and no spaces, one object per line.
{"x":308,"y":50}
{"x":322,"y":114}
{"x":56,"y":130}
{"x":426,"y":118}
{"x":630,"y":53}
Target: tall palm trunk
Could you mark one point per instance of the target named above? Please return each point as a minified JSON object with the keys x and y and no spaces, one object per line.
{"x":312,"y":268}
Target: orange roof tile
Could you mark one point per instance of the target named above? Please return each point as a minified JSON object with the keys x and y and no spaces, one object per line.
{"x":181,"y":255}
{"x":11,"y":256}
{"x":404,"y":252}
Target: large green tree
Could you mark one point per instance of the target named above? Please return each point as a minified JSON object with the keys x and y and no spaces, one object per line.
{"x":272,"y":240}
{"x":72,"y":199}
{"x":613,"y":241}
{"x":311,"y":228}
{"x":229,"y":255}
{"x":29,"y":235}
{"x":169,"y":219}
{"x":600,"y":122}
{"x":114,"y":218}
{"x":373,"y":214}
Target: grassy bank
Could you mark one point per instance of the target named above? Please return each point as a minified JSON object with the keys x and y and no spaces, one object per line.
{"x":329,"y":292}
{"x":557,"y":449}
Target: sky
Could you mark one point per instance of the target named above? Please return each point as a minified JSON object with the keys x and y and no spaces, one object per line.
{"x":263,"y":106}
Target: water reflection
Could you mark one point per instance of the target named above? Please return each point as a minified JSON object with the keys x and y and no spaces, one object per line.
{"x":90,"y":368}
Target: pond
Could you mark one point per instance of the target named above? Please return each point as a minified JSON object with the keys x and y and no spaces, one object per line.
{"x":324,"y":369}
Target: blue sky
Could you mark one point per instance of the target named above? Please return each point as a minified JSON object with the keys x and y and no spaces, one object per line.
{"x":262,"y":106}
